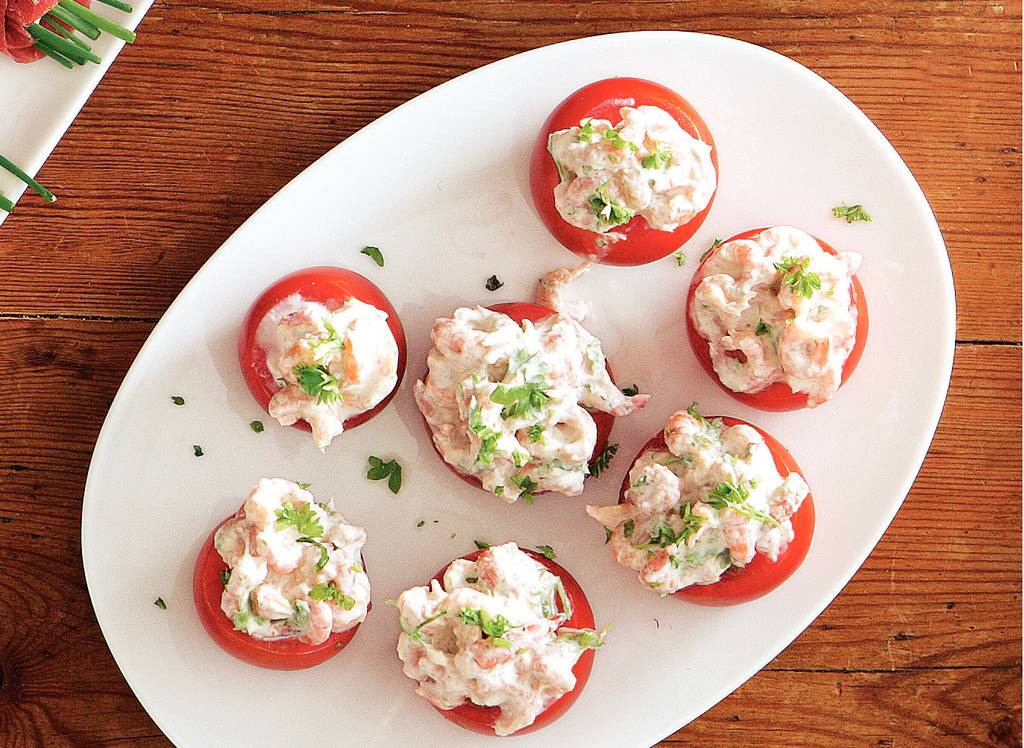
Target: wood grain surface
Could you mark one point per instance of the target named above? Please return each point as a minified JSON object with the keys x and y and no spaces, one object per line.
{"x":220,"y":103}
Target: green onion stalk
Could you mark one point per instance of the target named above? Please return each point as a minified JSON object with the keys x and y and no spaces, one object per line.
{"x":57,"y":38}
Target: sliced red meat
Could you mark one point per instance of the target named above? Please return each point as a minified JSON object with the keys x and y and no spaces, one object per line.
{"x":18,"y":15}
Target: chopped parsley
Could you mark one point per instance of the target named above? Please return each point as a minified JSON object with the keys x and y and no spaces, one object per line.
{"x":331,"y":593}
{"x":379,"y":470}
{"x":795,"y":275}
{"x":374,"y":254}
{"x":493,"y":284}
{"x":612,"y":213}
{"x":763,"y":328}
{"x":159,"y":602}
{"x":586,"y":131}
{"x":618,"y":142}
{"x":734,"y":496}
{"x":317,"y":380}
{"x":659,"y":158}
{"x":414,"y":633}
{"x":304,"y":486}
{"x":325,"y":556}
{"x":520,"y":400}
{"x":494,"y":627}
{"x":421,"y":523}
{"x":603,"y":459}
{"x":481,"y":545}
{"x":547,"y":551}
{"x":631,"y":390}
{"x":642,"y":481}
{"x":607,"y":535}
{"x":628,"y":527}
{"x":177,"y":399}
{"x":680,"y":256}
{"x":304,"y":519}
{"x":197,"y":450}
{"x":225,"y":575}
{"x":536,"y":433}
{"x":488,"y":437}
{"x":714,"y":245}
{"x":256,"y":426}
{"x":590,"y":639}
{"x":851,"y":213}
{"x":526,"y":487}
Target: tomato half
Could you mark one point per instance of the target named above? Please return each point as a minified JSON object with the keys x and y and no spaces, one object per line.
{"x":481,"y":719}
{"x":288,"y":654}
{"x":777,"y":396}
{"x":602,"y":100}
{"x":332,"y":287}
{"x":518,"y":311}
{"x":761,"y":575}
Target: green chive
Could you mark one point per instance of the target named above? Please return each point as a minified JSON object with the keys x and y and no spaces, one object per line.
{"x":54,"y":55}
{"x":75,"y":22}
{"x":117,"y":4}
{"x":6,"y":204}
{"x":16,"y":171}
{"x":98,"y":21}
{"x":63,"y":33}
{"x":62,"y":45}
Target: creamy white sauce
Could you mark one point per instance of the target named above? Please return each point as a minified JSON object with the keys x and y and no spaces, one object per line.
{"x":507,"y":403}
{"x":760,"y":330}
{"x":354,"y":348}
{"x":523,"y":661}
{"x":710,"y":501}
{"x":645,"y":165}
{"x":275,"y":589}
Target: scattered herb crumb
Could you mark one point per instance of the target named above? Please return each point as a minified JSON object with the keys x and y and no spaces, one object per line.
{"x":452,"y":536}
{"x":197,"y":450}
{"x":480,"y":544}
{"x":225,"y":575}
{"x":547,"y":551}
{"x":631,"y":390}
{"x":604,"y":459}
{"x":159,"y":602}
{"x":851,"y":213}
{"x":256,"y":426}
{"x":607,"y":535}
{"x":379,"y":470}
{"x":374,"y":254}
{"x":714,"y":245}
{"x":177,"y":399}
{"x":493,"y":284}
{"x":304,"y":486}
{"x":680,"y":256}
{"x":421,"y":523}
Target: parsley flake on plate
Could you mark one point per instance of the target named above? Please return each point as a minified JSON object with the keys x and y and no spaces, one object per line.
{"x":379,"y":470}
{"x":374,"y":254}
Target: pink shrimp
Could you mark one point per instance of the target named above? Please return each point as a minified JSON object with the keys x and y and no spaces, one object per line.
{"x":552,"y":285}
{"x":489,"y":656}
{"x":740,"y":537}
{"x":321,"y":621}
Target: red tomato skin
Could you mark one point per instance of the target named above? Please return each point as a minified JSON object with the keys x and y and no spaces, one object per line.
{"x":332,"y":287}
{"x":289,"y":654}
{"x":761,"y":575}
{"x":481,"y":719}
{"x":777,"y":397}
{"x":602,"y":100}
{"x":518,"y":311}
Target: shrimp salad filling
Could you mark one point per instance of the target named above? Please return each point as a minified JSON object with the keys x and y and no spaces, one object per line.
{"x":294,"y":566}
{"x":330,"y":365}
{"x":777,"y":308}
{"x":709,"y":500}
{"x":646,"y":165}
{"x":493,"y":634}
{"x":507,"y":403}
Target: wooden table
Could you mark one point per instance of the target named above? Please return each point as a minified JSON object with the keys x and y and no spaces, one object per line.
{"x":220,"y":104}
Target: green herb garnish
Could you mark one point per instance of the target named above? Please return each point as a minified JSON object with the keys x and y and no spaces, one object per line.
{"x":536,"y":433}
{"x":631,"y":390}
{"x":618,"y":142}
{"x":851,"y":213}
{"x":714,"y":245}
{"x":494,"y":627}
{"x":379,"y":470}
{"x":374,"y":254}
{"x":331,"y":593}
{"x":586,"y":131}
{"x":325,"y":556}
{"x":197,"y":450}
{"x":159,"y":602}
{"x":680,"y":256}
{"x":256,"y":426}
{"x":734,"y":496}
{"x":493,"y":284}
{"x":177,"y":399}
{"x":304,"y":519}
{"x":520,"y":400}
{"x":659,"y":158}
{"x":763,"y":328}
{"x":526,"y":487}
{"x":612,"y":213}
{"x":488,"y":437}
{"x":481,"y":545}
{"x":317,"y":380}
{"x":795,"y":275}
{"x":547,"y":551}
{"x":603,"y":459}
